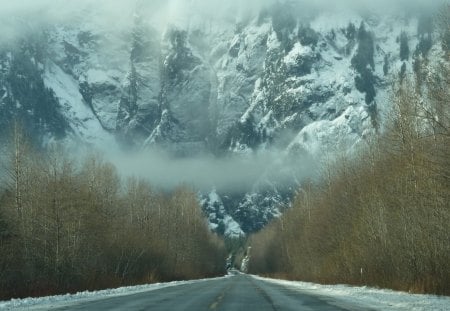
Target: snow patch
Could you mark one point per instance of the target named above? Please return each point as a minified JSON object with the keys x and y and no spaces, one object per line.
{"x":43,"y":303}
{"x":82,"y":119}
{"x":378,"y":299}
{"x":298,"y":51}
{"x":99,"y":77}
{"x":330,"y":137}
{"x":232,"y":228}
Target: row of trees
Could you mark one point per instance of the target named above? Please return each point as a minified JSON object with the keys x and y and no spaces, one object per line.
{"x":67,"y":226}
{"x":380,"y":217}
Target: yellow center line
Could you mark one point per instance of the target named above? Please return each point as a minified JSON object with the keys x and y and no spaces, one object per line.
{"x":216,"y":303}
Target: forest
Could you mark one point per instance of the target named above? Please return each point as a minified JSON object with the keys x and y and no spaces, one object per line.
{"x":68,"y":225}
{"x":379,"y":217}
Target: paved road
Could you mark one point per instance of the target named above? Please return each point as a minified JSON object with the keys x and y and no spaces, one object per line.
{"x":239,"y":292}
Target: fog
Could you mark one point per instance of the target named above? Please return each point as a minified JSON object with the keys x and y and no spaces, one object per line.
{"x":232,"y":173}
{"x":61,"y":9}
{"x":19,"y":16}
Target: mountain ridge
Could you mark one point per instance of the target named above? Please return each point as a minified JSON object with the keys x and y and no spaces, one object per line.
{"x":275,"y":83}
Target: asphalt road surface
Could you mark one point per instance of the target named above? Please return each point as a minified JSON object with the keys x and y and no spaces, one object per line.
{"x":238,"y":292}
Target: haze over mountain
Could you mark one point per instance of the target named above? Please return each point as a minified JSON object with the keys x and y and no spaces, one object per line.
{"x":241,"y":100}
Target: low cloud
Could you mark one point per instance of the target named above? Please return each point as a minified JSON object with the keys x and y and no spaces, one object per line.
{"x":17,"y":17}
{"x":234,"y":173}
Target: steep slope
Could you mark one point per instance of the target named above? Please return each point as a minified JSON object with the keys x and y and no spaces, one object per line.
{"x":295,"y":85}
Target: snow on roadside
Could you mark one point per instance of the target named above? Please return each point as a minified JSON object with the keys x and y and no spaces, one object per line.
{"x":43,"y":303}
{"x":379,"y":299}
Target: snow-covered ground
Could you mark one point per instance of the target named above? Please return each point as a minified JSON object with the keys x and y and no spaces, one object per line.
{"x":379,"y":299}
{"x":44,"y":303}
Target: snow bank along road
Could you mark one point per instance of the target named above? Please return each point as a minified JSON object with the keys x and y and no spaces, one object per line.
{"x":238,"y":292}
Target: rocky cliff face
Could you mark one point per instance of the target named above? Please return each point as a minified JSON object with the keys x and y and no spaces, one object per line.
{"x":297,"y":84}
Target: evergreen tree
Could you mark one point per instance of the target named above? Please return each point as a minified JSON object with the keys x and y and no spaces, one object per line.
{"x":386,"y":65}
{"x":365,"y":54}
{"x":283,"y":23}
{"x":404,"y":47}
{"x":350,"y":32}
{"x":29,"y":100}
{"x":363,"y":62}
{"x":425,"y":29}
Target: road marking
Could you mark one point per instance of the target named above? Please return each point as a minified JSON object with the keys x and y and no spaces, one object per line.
{"x":216,"y":303}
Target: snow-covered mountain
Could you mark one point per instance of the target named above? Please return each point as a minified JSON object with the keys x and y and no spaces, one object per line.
{"x":278,"y":81}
